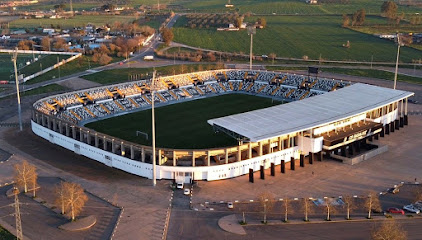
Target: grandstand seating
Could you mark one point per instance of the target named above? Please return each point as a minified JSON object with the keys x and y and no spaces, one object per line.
{"x":103,"y":101}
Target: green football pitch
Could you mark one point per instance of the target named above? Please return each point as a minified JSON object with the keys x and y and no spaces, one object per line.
{"x":183,"y":125}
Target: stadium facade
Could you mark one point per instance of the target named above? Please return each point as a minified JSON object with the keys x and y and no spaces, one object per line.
{"x":323,"y":117}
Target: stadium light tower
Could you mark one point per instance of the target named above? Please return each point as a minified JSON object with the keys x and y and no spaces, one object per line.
{"x":154,"y":180}
{"x":14,"y":59}
{"x":251,"y":31}
{"x":397,"y":60}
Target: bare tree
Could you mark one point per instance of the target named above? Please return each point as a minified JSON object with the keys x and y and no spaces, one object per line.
{"x":243,"y":207}
{"x":307,"y":208}
{"x":372,"y":203}
{"x":330,"y":209}
{"x":287,"y":209}
{"x":25,"y":174}
{"x":266,"y":199}
{"x":60,"y":196}
{"x":389,"y":229}
{"x":75,"y":198}
{"x":349,"y":204}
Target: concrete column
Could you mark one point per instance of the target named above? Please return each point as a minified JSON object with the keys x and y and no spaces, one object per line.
{"x":226,"y":151}
{"x":113,"y":147}
{"x":239,"y":154}
{"x":292,"y":163}
{"x":96,"y":140}
{"x":405,"y":114}
{"x":54,"y":125}
{"x":132,"y":152}
{"x":208,"y":158}
{"x":387,"y":129}
{"x":288,"y":141}
{"x":283,"y":166}
{"x":193,"y":158}
{"x":122,"y":149}
{"x":160,"y":158}
{"x":81,"y":135}
{"x":37,"y":115}
{"x":48,"y":122}
{"x":282,"y":144}
{"x":279,"y":144}
{"x":61,"y":127}
{"x":74,"y":132}
{"x":249,"y":150}
{"x":321,"y":156}
{"x":392,"y":126}
{"x":311,"y":158}
{"x":269,"y":146}
{"x":260,"y":149}
{"x":88,"y":138}
{"x":397,"y":124}
{"x":261,"y":171}
{"x":376,"y":136}
{"x":174,"y":158}
{"x":142,"y":154}
{"x":302,"y":160}
{"x":67,"y":130}
{"x":104,"y":144}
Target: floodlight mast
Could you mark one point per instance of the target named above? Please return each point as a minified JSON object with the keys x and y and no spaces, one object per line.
{"x":397,"y":60}
{"x":14,"y":59}
{"x":154,"y":180}
{"x":251,"y":31}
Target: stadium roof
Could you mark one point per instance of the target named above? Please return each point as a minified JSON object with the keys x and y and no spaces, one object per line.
{"x":309,"y":113}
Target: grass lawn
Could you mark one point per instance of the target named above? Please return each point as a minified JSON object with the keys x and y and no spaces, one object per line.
{"x":122,"y":74}
{"x":45,"y":89}
{"x":296,"y":36}
{"x":182,"y":125}
{"x":6,"y":235}
{"x":372,"y":73}
{"x":77,"y":21}
{"x":6,"y":64}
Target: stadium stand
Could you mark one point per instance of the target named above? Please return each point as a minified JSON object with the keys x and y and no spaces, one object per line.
{"x":109,"y":100}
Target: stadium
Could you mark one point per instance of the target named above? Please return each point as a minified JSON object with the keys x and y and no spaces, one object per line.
{"x":322,"y":118}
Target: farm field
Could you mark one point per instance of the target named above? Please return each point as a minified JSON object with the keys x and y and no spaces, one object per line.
{"x":123,"y":74}
{"x":6,"y":65}
{"x":183,"y":125}
{"x":77,"y":21}
{"x":291,"y":6}
{"x":297,"y":36}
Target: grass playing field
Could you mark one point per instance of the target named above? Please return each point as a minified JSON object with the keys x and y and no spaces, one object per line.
{"x":183,"y":125}
{"x":6,"y":65}
{"x":297,"y":36}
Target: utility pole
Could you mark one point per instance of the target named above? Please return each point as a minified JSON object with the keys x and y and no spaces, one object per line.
{"x":14,"y":58}
{"x":251,"y":31}
{"x":19,"y":234}
{"x":397,"y":60}
{"x":154,"y":180}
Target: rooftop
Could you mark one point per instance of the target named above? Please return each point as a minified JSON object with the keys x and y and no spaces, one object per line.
{"x":309,"y":113}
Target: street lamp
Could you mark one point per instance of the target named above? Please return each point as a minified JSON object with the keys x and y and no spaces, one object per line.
{"x":251,"y":32}
{"x":14,"y":58}
{"x":154,"y":180}
{"x":397,"y":60}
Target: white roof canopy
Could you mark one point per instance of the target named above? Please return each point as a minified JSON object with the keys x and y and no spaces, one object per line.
{"x":309,"y":113}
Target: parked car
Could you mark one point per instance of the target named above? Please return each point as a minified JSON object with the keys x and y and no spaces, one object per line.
{"x":418,"y":205}
{"x":230,"y":205}
{"x":395,"y":210}
{"x":411,"y":208}
{"x":186,"y":191}
{"x":179,"y":185}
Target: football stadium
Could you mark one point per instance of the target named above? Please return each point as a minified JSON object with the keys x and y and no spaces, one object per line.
{"x":220,"y":124}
